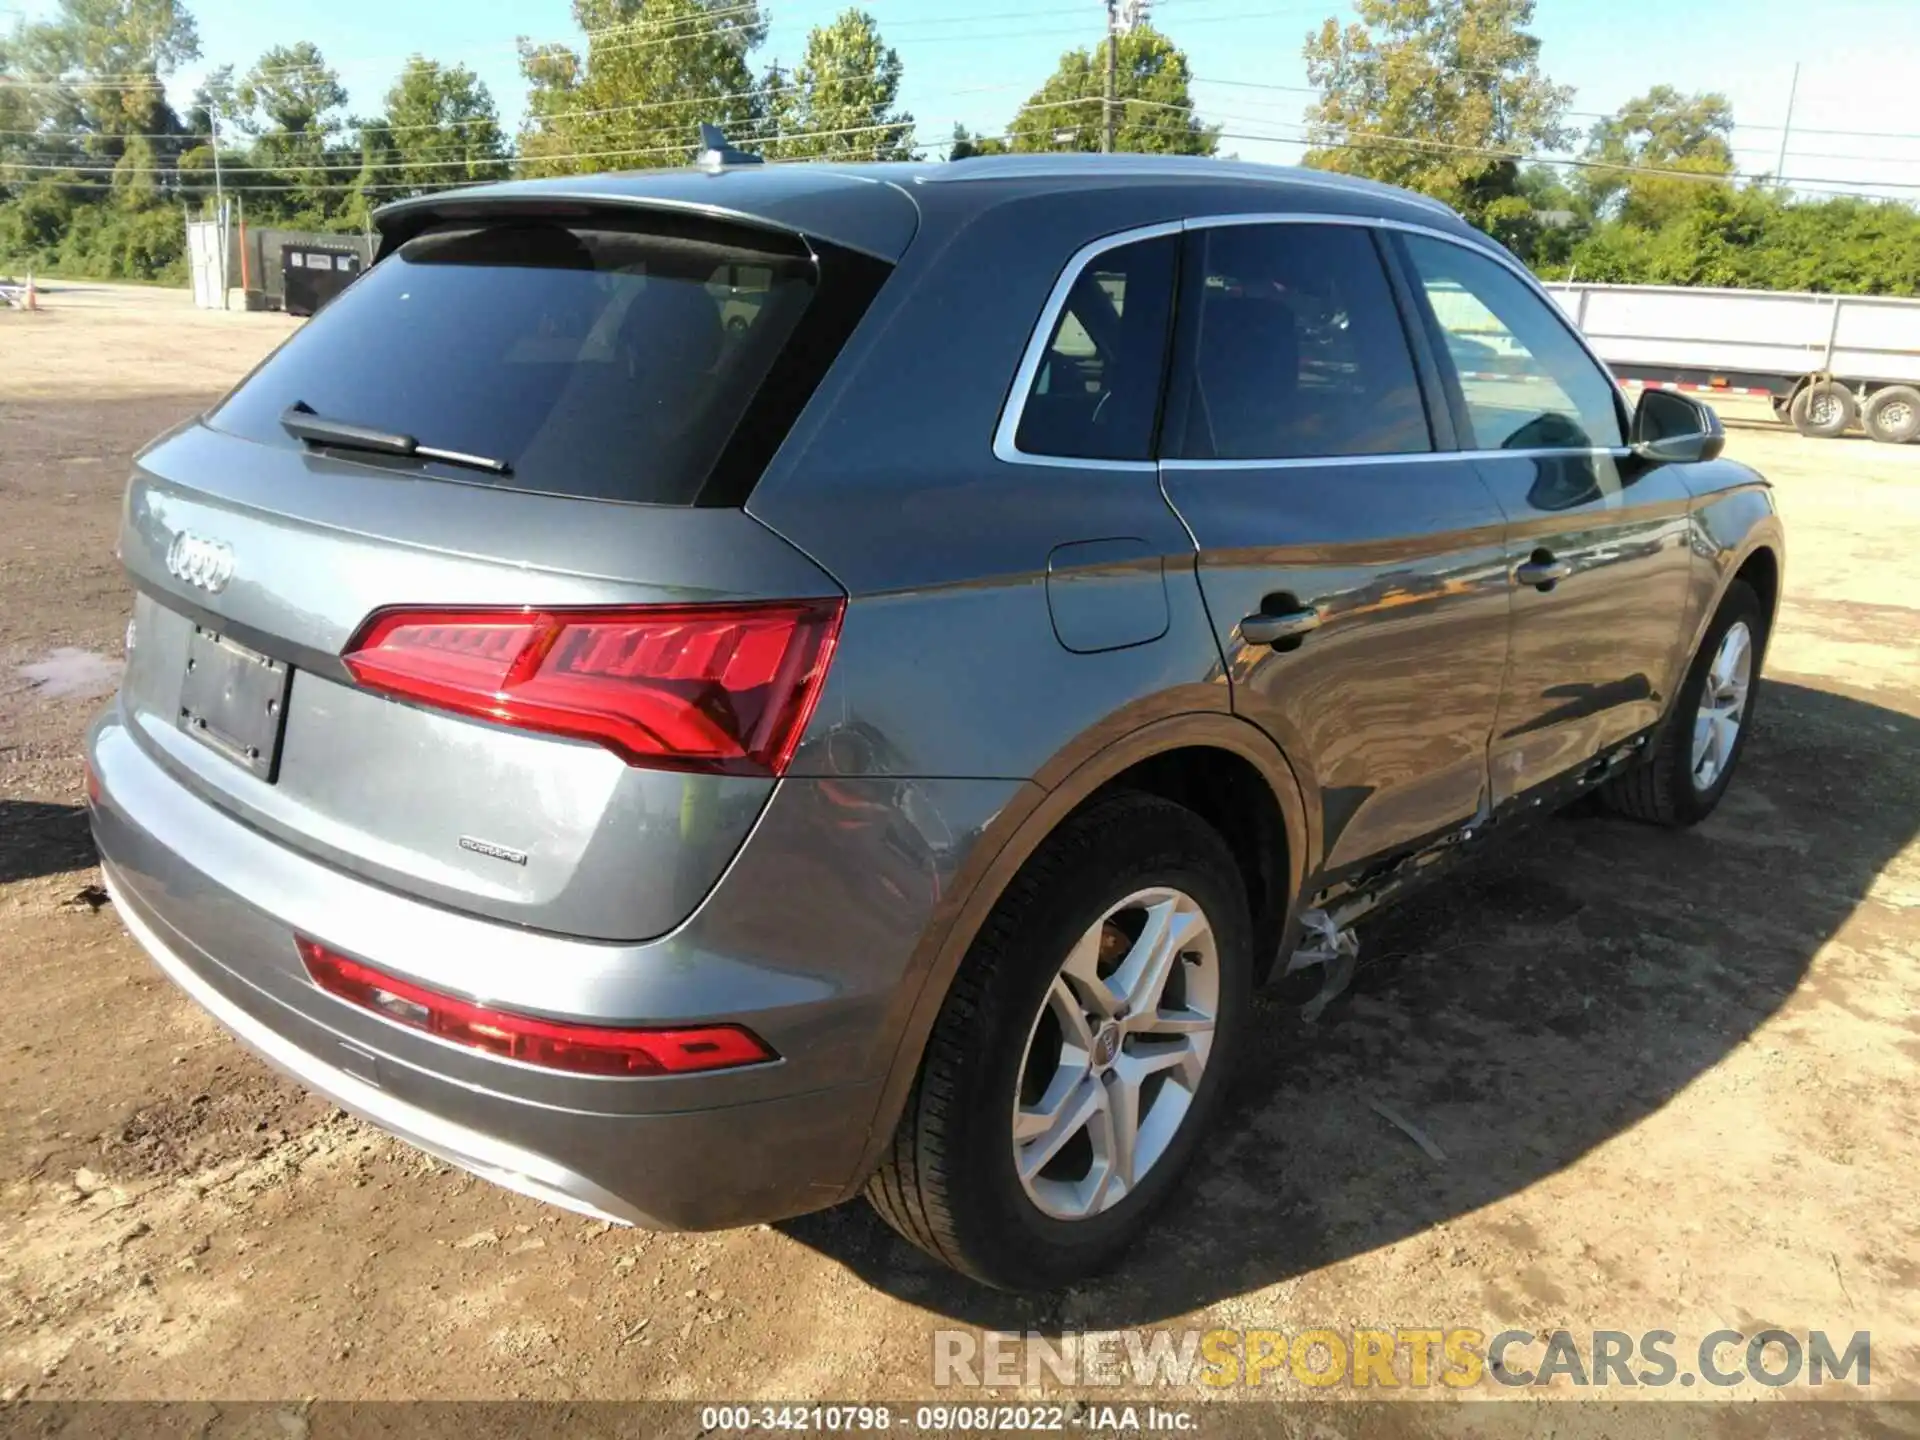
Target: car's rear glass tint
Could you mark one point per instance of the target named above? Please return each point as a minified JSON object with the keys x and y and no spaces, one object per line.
{"x":594,"y":361}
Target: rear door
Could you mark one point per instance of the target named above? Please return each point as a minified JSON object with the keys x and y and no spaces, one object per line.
{"x":1597,"y":543}
{"x":1351,"y":564}
{"x":543,"y":667}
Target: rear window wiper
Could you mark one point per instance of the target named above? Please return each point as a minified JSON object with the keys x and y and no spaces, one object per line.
{"x":299,"y":420}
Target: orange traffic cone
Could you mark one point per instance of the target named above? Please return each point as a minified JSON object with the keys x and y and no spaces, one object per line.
{"x":33,"y":299}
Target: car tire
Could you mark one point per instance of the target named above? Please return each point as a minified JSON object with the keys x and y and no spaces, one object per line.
{"x":1671,"y":787}
{"x":951,"y":1182}
{"x":1892,"y":415}
{"x":1823,"y":409}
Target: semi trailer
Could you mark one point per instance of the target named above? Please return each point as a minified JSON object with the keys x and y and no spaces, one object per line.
{"x":1826,"y":362}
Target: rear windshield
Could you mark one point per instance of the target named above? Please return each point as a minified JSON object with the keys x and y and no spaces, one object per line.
{"x":594,"y":361}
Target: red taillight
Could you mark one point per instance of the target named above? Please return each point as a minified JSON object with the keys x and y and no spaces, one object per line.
{"x":725,"y":688}
{"x":583,"y":1049}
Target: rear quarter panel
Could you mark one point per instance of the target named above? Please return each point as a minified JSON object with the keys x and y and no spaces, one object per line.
{"x":949,"y":661}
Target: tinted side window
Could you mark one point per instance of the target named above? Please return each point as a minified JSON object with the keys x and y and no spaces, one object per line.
{"x":1297,"y":348}
{"x":1096,"y":394}
{"x":1527,"y":382}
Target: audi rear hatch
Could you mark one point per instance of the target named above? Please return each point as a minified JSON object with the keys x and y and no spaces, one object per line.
{"x":457,"y":592}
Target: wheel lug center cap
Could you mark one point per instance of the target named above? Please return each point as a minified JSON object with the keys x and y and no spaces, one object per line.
{"x":1106,"y":1045}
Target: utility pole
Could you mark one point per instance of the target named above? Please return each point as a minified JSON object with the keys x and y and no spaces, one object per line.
{"x":1113,"y":71}
{"x":1786,"y":129}
{"x":219,"y":194}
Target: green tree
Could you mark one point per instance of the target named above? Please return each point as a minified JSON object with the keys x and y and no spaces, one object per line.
{"x":652,"y":71}
{"x":375,"y":184}
{"x":1152,"y":85}
{"x":16,"y":123}
{"x":1660,"y":130}
{"x":290,"y":102}
{"x":966,"y":144}
{"x":291,"y":90}
{"x":1545,"y":189}
{"x":215,"y":99}
{"x":440,"y":129}
{"x":103,"y":142}
{"x":1557,"y":224}
{"x":96,"y":71}
{"x":1442,"y":96}
{"x":839,"y":102}
{"x":33,"y":223}
{"x":116,"y":55}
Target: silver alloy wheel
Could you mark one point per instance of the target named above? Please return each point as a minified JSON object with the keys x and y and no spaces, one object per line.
{"x":1824,"y":408}
{"x":1723,"y":705}
{"x":1895,"y":414}
{"x":1114,"y":1058}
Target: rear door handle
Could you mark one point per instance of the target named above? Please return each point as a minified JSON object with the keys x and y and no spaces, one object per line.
{"x":1542,"y":571}
{"x":1264,"y":629}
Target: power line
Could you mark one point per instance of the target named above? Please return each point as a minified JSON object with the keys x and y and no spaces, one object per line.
{"x":1798,"y":128}
{"x":700,"y":24}
{"x":534,"y":158}
{"x":1812,"y":185}
{"x":1362,"y":140}
{"x":758,"y":92}
{"x":917,"y":140}
{"x":140,"y":79}
{"x":143,"y":81}
{"x":1353,"y":141}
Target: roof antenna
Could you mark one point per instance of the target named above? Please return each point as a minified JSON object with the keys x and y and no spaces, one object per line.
{"x":715,"y":153}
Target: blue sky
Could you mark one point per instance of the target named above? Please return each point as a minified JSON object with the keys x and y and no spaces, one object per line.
{"x":1858,"y":59}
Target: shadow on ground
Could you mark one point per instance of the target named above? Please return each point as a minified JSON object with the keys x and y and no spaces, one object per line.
{"x":37,"y":839}
{"x":1529,"y":1009}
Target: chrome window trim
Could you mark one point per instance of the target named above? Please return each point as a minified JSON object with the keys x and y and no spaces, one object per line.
{"x":1402,"y":457}
{"x":1005,"y":448}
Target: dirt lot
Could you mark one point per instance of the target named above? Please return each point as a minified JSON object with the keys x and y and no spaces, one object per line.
{"x":1673,"y":1076}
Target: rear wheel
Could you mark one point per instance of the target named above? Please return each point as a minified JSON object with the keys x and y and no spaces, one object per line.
{"x":1892,"y":414}
{"x":1823,"y":409}
{"x":1081,"y":1052}
{"x":1695,"y":751}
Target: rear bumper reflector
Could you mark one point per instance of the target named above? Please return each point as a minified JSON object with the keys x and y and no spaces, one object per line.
{"x":551,"y":1044}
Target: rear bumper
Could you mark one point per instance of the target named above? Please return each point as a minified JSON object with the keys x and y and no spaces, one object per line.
{"x":498,"y":1160}
{"x":825,"y":978}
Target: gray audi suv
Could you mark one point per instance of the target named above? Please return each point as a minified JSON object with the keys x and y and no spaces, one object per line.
{"x":695,"y":695}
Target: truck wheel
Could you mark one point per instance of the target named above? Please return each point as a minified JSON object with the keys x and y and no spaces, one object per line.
{"x":1081,"y":1053}
{"x":1892,"y":414}
{"x":1823,"y":409}
{"x":1705,"y":731}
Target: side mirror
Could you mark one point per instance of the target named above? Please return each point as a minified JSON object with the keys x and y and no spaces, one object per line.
{"x":1672,"y":429}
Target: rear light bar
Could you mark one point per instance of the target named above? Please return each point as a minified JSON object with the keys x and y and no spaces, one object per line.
{"x":581,"y":1049}
{"x":719,"y":688}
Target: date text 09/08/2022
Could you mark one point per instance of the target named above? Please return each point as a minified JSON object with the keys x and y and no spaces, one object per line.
{"x":851,"y":1418}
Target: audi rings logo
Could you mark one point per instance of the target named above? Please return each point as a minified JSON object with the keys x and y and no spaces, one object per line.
{"x":202,"y":562}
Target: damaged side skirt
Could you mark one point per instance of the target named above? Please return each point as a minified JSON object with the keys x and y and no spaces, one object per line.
{"x":1328,"y":939}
